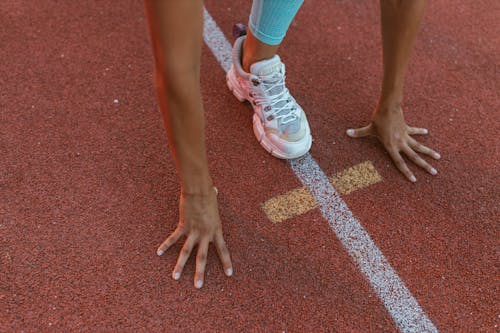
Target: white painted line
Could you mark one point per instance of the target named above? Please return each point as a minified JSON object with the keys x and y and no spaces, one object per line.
{"x":216,"y":41}
{"x":398,"y":300}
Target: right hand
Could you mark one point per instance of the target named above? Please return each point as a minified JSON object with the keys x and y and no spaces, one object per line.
{"x":199,"y":221}
{"x":389,"y":126}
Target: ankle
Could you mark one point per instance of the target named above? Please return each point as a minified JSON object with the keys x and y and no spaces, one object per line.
{"x":246,"y":59}
{"x":253,"y":51}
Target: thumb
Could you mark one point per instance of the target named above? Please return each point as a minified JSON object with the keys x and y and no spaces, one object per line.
{"x":360,"y":132}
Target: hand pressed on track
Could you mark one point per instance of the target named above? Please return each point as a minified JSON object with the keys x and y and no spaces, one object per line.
{"x":199,"y":221}
{"x":389,"y":126}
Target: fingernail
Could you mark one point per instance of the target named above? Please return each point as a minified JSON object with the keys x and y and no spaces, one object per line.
{"x":434,"y":171}
{"x":436,"y":155}
{"x":413,"y":179}
{"x":426,"y":131}
{"x":160,"y":252}
{"x":350,"y":132}
{"x":176,"y":276}
{"x":229,"y":271}
{"x":199,"y":284}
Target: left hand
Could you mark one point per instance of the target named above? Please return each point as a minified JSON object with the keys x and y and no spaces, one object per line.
{"x":389,"y":126}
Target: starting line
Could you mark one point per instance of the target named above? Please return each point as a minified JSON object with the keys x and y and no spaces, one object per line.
{"x":299,"y":201}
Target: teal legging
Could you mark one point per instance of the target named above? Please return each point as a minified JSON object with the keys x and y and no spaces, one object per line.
{"x":270,"y":19}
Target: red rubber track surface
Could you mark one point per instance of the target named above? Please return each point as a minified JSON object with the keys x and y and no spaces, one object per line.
{"x":88,"y":189}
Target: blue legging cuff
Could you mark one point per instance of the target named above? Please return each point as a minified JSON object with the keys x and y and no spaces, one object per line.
{"x":267,"y":39}
{"x":270,"y":19}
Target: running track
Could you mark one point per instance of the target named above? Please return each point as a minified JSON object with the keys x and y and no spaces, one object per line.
{"x":88,"y":190}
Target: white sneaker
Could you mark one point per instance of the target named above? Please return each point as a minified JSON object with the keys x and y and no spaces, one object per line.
{"x":279,"y":123}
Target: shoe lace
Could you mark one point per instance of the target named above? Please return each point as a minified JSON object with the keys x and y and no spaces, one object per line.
{"x":278,"y":105}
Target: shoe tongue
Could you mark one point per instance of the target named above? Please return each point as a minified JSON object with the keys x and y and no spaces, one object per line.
{"x":266,"y":67}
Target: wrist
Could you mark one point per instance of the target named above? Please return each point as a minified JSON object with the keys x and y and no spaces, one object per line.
{"x":205,"y":194}
{"x":389,"y":105}
{"x":391,"y":96}
{"x":202,"y":185}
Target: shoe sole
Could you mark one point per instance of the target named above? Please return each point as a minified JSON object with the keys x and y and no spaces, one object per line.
{"x":259,"y":131}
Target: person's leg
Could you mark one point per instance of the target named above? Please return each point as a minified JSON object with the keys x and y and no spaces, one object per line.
{"x":258,"y":76}
{"x":267,"y":26}
{"x":254,"y":51}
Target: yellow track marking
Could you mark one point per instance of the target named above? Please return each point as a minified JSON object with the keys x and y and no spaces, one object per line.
{"x":299,"y":201}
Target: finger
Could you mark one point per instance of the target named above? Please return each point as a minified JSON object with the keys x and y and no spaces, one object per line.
{"x":223,"y":252}
{"x":172,"y":239}
{"x":360,"y":132}
{"x":183,"y":257}
{"x":401,"y":165}
{"x":201,"y":262}
{"x":415,"y":158}
{"x":415,"y":145}
{"x":417,"y":131}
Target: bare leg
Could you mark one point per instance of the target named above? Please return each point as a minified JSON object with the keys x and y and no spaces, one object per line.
{"x":268,"y":23}
{"x":254,"y":51}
